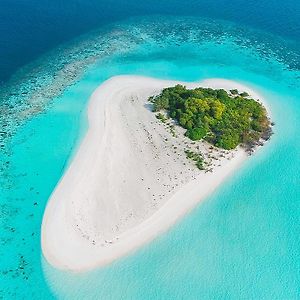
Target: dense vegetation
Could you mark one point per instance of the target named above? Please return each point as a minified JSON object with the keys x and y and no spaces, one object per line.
{"x":223,"y":119}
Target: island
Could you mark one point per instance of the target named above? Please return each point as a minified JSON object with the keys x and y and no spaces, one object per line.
{"x":154,"y":149}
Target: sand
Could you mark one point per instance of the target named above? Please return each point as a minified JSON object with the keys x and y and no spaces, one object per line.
{"x":130,"y":179}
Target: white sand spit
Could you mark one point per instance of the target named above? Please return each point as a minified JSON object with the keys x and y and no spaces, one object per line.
{"x":130,"y":179}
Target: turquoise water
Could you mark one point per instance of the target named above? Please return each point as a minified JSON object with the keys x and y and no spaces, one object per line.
{"x":242,"y":243}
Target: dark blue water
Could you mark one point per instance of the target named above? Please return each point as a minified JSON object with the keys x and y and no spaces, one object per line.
{"x":29,"y":28}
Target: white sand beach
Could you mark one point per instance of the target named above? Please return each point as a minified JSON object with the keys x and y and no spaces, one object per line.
{"x":130,"y":179}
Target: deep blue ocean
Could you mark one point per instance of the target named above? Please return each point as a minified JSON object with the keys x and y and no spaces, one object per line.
{"x":30,"y":28}
{"x":243,"y":242}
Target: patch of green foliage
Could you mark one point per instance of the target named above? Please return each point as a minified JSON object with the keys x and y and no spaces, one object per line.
{"x":196,"y":134}
{"x":161,"y":117}
{"x":244,"y":94}
{"x":172,"y":130}
{"x":234,"y":92}
{"x":197,"y":157}
{"x":214,"y":115}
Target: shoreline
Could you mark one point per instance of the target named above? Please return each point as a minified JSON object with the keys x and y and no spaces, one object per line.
{"x":65,"y":244}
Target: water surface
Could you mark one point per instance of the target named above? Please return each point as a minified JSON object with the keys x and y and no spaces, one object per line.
{"x":242,"y":243}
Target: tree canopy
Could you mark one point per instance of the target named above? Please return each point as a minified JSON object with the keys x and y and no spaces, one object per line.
{"x":223,"y":119}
